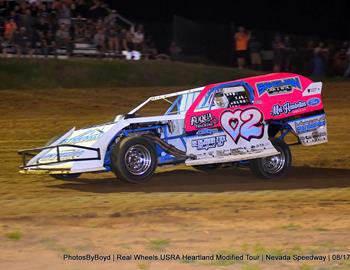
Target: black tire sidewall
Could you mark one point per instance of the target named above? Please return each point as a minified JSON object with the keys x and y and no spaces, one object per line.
{"x":257,"y":165}
{"x":118,"y":165}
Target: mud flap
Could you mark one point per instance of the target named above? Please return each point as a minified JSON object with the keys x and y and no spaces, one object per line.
{"x":311,"y":130}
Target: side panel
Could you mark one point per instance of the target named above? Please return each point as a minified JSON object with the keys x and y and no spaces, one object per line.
{"x":284,"y":95}
{"x":242,"y":135}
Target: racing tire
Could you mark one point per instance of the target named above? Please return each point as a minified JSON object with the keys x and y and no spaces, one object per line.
{"x":70,"y":176}
{"x":207,"y":167}
{"x":273,"y":166}
{"x":134,"y":159}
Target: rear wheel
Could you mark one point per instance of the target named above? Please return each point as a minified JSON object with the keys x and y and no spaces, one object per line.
{"x":134,"y":159}
{"x":273,"y":166}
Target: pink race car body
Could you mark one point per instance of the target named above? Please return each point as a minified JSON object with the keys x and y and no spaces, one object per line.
{"x":274,"y":97}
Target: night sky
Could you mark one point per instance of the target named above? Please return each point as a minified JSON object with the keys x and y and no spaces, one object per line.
{"x":330,"y":19}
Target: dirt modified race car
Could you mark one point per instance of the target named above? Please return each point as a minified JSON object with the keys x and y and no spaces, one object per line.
{"x":238,"y":122}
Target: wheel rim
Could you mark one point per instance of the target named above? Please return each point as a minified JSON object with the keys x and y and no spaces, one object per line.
{"x":138,"y":159}
{"x":274,"y":164}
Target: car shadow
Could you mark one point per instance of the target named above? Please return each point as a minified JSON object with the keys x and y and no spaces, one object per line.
{"x":221,"y":180}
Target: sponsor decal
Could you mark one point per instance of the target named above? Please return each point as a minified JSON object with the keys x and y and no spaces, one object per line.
{"x":210,"y":142}
{"x":89,"y":135}
{"x":207,"y":131}
{"x":287,"y":107}
{"x":70,"y":154}
{"x":313,"y":102}
{"x":279,"y":87}
{"x":308,"y":125}
{"x":245,"y":124}
{"x":313,"y":89}
{"x":203,"y":121}
{"x":314,"y":138}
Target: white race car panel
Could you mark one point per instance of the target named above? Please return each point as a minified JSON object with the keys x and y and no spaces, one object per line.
{"x":311,"y":130}
{"x":313,"y":89}
{"x":221,"y":147}
{"x":44,"y":152}
{"x":98,"y":137}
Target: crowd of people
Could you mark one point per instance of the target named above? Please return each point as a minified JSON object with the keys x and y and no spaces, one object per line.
{"x":31,"y":27}
{"x":35,"y":26}
{"x":310,"y":57}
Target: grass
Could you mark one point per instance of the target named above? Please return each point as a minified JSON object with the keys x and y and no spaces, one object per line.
{"x":52,"y":244}
{"x":158,"y":244}
{"x":319,"y":229}
{"x":84,"y":73}
{"x":291,"y":227}
{"x":143,"y":266}
{"x":15,"y":235}
{"x":306,"y":267}
{"x":251,"y":267}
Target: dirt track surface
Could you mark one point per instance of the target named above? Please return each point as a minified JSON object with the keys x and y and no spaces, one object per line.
{"x":180,"y":211}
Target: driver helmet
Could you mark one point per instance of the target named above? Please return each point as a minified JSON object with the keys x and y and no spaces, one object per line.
{"x":220,"y":100}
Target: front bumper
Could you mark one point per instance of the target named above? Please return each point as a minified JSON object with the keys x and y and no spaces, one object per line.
{"x":54,"y":165}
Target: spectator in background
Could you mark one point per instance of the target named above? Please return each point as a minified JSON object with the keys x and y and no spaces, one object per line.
{"x":80,"y":30}
{"x":100,"y":40}
{"x":21,"y":41}
{"x":62,"y":36}
{"x":98,"y":10}
{"x":138,"y":38}
{"x":50,"y":43}
{"x":150,"y":49}
{"x":347,"y":70}
{"x":174,"y":51}
{"x":111,"y":19}
{"x":307,"y":57}
{"x":26,"y":20}
{"x":113,"y":38}
{"x":287,"y":54}
{"x":42,"y":26}
{"x":340,"y":60}
{"x":241,"y":46}
{"x":319,"y":60}
{"x":80,"y":8}
{"x":64,"y":14}
{"x":127,"y":44}
{"x":10,"y":28}
{"x":255,"y":53}
{"x":278,"y":50}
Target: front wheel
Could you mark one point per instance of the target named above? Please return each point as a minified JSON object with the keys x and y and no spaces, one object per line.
{"x":273,"y":166}
{"x":134,"y":159}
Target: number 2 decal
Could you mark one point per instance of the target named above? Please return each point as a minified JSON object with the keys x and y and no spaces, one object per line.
{"x":246,"y":124}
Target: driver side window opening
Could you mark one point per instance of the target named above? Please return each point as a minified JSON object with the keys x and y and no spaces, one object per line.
{"x":224,"y":97}
{"x":235,"y":96}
